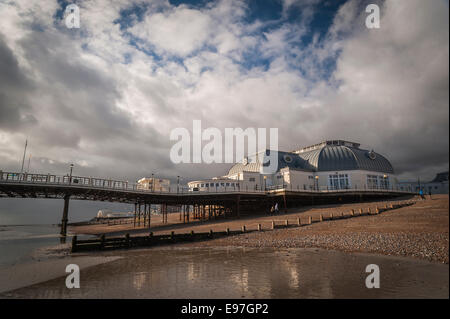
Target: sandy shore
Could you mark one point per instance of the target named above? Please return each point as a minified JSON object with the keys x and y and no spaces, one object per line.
{"x":419,"y":231}
{"x":233,"y":272}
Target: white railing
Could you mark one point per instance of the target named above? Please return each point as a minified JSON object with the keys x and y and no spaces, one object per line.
{"x":111,"y":184}
{"x":101,"y":183}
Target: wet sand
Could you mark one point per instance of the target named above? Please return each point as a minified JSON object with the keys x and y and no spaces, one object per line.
{"x":23,"y":275}
{"x":248,"y":273}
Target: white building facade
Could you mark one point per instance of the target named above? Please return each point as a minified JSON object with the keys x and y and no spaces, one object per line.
{"x":154,"y":184}
{"x":330,"y":165}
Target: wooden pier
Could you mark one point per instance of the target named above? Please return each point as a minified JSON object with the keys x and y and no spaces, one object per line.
{"x":231,"y":203}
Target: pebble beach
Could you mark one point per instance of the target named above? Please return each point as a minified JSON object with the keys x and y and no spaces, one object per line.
{"x":419,"y":231}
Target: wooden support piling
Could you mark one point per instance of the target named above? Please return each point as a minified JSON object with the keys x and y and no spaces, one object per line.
{"x":74,"y":244}
{"x":238,"y":208}
{"x":285,"y":203}
{"x":139,"y":215}
{"x":149,"y":215}
{"x":102,"y":241}
{"x":145,"y":214}
{"x":135,"y":212}
{"x":127,"y":240}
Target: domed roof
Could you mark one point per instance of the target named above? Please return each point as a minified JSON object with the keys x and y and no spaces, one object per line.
{"x":285,"y":159}
{"x":334,"y":155}
{"x":342,"y":157}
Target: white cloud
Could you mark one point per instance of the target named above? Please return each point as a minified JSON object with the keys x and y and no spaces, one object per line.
{"x":179,"y":31}
{"x":91,"y":104}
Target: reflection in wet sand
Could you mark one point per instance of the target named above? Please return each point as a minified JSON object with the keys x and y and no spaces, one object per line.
{"x":249,"y":273}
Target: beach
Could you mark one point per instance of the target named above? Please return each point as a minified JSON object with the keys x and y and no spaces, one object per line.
{"x":321,"y":260}
{"x":419,"y":231}
{"x":233,"y":272}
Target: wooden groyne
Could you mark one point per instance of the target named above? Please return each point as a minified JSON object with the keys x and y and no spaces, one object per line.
{"x":127,"y":241}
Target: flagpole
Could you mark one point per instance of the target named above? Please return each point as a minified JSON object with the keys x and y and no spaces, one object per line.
{"x":28,"y":168}
{"x":24,"y":152}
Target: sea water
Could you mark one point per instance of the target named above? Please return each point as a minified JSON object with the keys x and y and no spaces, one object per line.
{"x":19,"y":242}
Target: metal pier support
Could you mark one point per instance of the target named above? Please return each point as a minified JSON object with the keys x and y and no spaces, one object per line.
{"x":65,"y":216}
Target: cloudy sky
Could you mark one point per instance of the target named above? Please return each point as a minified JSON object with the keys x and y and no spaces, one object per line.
{"x":106,"y":96}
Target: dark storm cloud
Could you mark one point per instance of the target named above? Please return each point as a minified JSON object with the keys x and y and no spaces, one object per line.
{"x":84,"y":99}
{"x":14,"y":108}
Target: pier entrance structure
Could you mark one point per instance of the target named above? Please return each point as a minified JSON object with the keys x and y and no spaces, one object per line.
{"x":232,"y":202}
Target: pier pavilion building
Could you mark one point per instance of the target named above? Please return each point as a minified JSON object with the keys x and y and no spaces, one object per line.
{"x":329,"y":165}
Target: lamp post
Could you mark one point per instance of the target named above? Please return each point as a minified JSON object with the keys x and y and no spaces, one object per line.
{"x":153,"y":182}
{"x":70,"y":176}
{"x":316,"y":182}
{"x":265,"y":185}
{"x":178,"y":183}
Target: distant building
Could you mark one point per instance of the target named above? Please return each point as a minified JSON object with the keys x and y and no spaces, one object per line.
{"x":439,"y":185}
{"x":154,"y":184}
{"x":215,"y":183}
{"x":332,"y":165}
{"x":105,"y":213}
